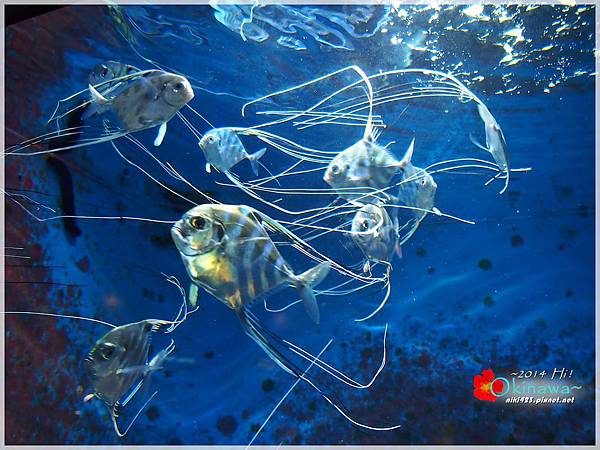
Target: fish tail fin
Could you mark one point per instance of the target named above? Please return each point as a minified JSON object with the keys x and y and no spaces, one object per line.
{"x":305,"y":282}
{"x":258,"y":337}
{"x":254,"y":157}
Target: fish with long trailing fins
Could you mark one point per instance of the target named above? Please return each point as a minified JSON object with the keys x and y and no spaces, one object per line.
{"x":149,"y":100}
{"x":416,"y":190}
{"x":223,"y":149}
{"x":227,"y":251}
{"x":495,"y":144}
{"x":362,"y":167}
{"x":376,"y":234}
{"x":118,"y":365}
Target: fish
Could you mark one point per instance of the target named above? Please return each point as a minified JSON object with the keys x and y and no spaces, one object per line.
{"x":227,"y":251}
{"x":118,"y":365}
{"x":417,"y":190}
{"x":495,"y":143}
{"x":149,"y":100}
{"x":223,"y":149}
{"x":363,"y":165}
{"x":109,"y":70}
{"x":376,"y":234}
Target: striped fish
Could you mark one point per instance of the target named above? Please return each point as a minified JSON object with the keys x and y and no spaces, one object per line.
{"x":364,"y":165}
{"x":375,"y":234}
{"x":109,"y":70}
{"x":227,"y":251}
{"x":223,"y":149}
{"x":118,"y":364}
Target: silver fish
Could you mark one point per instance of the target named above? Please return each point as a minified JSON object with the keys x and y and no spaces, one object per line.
{"x":417,"y":190}
{"x":223,"y":149}
{"x":363,"y":165}
{"x":375,"y":234}
{"x":495,"y":143}
{"x":118,"y":364}
{"x":147,"y":101}
{"x":417,"y":187}
{"x":227,"y":251}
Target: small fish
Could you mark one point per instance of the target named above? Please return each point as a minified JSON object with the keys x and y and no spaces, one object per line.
{"x":149,"y":100}
{"x":223,"y":149}
{"x":118,"y":364}
{"x":227,"y":251}
{"x":417,"y":190}
{"x":109,"y":70}
{"x":375,"y":234}
{"x":495,"y":143}
{"x":364,"y":165}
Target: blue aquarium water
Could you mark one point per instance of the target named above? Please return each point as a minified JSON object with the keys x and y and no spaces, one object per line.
{"x":512,"y":293}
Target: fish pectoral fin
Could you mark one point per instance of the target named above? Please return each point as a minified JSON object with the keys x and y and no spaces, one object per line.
{"x":162,"y":130}
{"x":477,"y":143}
{"x":207,"y":167}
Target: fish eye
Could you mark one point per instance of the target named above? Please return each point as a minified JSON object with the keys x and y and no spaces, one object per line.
{"x":211,"y":139}
{"x":365,"y":224}
{"x":103,"y":72}
{"x":178,"y":87}
{"x":198,"y":222}
{"x":335,"y":170}
{"x":423,"y":181}
{"x":108,"y":352}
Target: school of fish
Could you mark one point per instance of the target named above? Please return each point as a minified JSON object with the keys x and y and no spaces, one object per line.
{"x":240,"y":254}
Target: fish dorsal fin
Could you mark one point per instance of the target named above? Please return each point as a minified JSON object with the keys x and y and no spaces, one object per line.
{"x":408,"y":155}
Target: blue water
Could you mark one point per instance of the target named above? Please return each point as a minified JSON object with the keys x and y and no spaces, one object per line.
{"x":515,"y":291}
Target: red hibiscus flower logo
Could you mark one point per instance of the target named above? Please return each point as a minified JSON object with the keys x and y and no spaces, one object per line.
{"x":482,"y":384}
